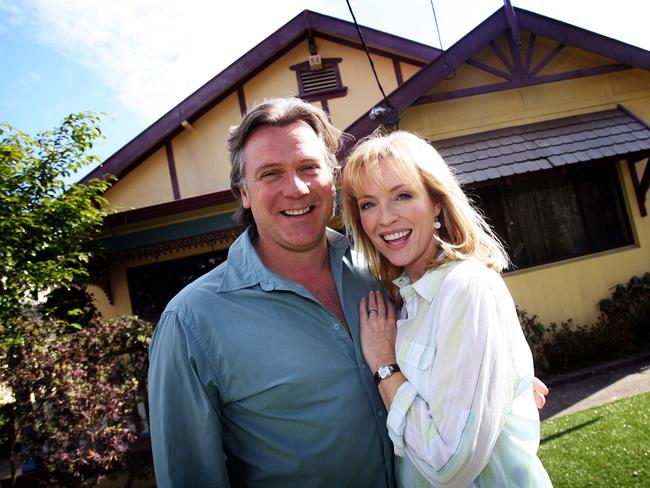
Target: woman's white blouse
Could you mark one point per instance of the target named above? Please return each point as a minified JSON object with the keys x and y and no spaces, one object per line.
{"x":466,"y":415}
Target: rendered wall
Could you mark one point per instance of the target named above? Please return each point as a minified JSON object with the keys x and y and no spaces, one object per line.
{"x":148,"y":184}
{"x":570,"y":288}
{"x":200,"y":156}
{"x":573,"y":288}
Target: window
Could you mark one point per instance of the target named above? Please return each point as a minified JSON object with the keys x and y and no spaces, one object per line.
{"x":153,"y":285}
{"x":320,"y":84}
{"x":554,"y":215}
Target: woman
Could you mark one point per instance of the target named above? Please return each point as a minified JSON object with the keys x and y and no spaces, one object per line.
{"x":460,"y":411}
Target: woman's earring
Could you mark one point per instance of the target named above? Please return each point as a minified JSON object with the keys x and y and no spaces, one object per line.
{"x":436,"y":223}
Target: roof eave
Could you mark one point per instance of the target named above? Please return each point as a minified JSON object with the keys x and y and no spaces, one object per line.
{"x":226,"y":82}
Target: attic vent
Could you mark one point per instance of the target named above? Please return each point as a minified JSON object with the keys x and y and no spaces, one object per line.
{"x":320,"y":84}
{"x":319,"y":81}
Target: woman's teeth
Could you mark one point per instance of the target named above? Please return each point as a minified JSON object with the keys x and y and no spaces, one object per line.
{"x":396,"y":235}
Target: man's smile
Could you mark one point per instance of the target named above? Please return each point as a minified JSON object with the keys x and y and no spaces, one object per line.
{"x":297,"y":211}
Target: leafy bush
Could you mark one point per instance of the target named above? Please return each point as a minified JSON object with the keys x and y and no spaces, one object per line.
{"x":628,"y":310}
{"x":76,"y":394}
{"x":623,"y":327}
{"x":44,"y":221}
{"x":534,"y":332}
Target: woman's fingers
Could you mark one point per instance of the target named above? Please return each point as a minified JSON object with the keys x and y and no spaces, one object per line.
{"x":379,"y":300}
{"x":390,"y":311}
{"x":372,"y":304}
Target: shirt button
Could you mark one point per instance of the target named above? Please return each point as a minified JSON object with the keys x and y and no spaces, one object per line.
{"x":380,"y":413}
{"x":336,"y":326}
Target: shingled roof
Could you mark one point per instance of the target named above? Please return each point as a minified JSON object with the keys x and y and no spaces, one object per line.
{"x":545,"y":145}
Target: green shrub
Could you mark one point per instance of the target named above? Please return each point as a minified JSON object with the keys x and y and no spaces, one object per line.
{"x":623,"y":327}
{"x":628,"y":310}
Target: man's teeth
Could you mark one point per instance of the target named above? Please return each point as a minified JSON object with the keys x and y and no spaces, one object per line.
{"x":397,"y":235}
{"x":298,"y":211}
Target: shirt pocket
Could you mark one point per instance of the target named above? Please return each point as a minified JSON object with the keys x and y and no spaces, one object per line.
{"x":415,"y":353}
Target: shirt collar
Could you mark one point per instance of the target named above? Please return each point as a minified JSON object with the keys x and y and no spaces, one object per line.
{"x":244,"y":268}
{"x":426,"y":286}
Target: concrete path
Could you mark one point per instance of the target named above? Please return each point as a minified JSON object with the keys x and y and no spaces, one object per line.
{"x":595,"y":386}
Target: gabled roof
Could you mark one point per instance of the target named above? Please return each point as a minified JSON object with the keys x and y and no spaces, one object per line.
{"x":414,"y":89}
{"x":251,"y":63}
{"x":544,"y":145}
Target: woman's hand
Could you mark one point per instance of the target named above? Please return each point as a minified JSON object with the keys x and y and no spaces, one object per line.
{"x":378,"y":330}
{"x":540,"y":390}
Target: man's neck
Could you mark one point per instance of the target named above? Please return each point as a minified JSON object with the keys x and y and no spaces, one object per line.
{"x":300,"y":267}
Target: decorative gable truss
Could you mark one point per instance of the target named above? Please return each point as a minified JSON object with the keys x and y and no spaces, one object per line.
{"x":515,"y":66}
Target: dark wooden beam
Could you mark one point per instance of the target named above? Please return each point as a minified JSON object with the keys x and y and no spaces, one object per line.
{"x":172,"y":170}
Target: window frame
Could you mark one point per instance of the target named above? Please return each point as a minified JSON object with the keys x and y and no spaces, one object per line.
{"x":610,"y":168}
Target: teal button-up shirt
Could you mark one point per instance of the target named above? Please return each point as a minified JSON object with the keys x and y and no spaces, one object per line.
{"x":252,"y":382}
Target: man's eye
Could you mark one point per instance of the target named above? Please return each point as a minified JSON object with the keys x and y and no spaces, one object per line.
{"x":311,"y":169}
{"x":269,"y":174}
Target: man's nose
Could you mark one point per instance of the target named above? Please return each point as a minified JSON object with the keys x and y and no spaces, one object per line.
{"x":296,"y":187}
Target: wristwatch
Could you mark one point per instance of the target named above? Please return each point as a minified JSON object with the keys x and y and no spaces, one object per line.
{"x":385,"y":371}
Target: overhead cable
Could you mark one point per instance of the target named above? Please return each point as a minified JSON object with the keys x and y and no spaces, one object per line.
{"x":376,"y":112}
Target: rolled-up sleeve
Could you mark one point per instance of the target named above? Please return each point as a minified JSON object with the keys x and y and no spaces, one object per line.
{"x":448,"y":416}
{"x":186,"y":432}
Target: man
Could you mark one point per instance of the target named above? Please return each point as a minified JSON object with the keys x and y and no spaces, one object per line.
{"x":257,"y":376}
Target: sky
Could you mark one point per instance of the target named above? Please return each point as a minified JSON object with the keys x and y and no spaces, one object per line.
{"x":134,"y":60}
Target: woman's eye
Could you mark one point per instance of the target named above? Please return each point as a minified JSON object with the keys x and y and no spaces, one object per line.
{"x":403,"y":196}
{"x":366,"y":205}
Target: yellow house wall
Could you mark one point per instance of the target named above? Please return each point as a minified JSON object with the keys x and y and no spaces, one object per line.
{"x":200,"y":154}
{"x":408,"y":70}
{"x":356,"y":75}
{"x":148,"y":184}
{"x":572,"y":288}
{"x":363,"y":92}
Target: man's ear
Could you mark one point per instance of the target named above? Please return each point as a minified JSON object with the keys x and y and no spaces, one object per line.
{"x":243,"y":194}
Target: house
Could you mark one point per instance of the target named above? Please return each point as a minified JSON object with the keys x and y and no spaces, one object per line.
{"x":547,"y":125}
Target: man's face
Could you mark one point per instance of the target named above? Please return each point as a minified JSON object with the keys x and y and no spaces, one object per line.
{"x":290,"y":187}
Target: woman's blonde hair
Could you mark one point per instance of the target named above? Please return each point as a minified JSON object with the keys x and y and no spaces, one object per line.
{"x":464,"y":232}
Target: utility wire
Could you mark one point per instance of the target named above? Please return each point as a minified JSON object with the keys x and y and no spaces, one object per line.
{"x":389,"y":106}
{"x":443,"y":51}
{"x":435,"y":19}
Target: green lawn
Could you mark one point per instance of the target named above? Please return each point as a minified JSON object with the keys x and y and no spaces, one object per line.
{"x":606,"y":446}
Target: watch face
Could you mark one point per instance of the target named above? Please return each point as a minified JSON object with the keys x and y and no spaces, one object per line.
{"x":384,"y":371}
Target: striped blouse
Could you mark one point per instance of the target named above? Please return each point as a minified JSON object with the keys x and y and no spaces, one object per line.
{"x":466,"y":415}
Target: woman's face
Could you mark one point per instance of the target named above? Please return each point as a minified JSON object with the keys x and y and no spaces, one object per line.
{"x":399,"y":221}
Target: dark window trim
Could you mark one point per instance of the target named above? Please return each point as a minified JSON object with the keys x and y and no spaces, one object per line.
{"x":618,"y":192}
